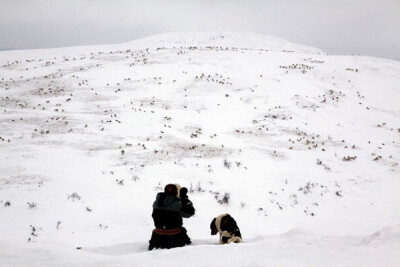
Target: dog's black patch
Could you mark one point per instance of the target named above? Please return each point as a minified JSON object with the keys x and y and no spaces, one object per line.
{"x":225,"y":239}
{"x":213,"y":227}
{"x":229,"y":224}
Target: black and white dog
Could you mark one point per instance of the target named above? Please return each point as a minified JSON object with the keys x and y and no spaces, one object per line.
{"x":227,"y":228}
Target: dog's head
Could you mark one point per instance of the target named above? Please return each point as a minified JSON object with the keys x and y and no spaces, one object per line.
{"x":213,"y":227}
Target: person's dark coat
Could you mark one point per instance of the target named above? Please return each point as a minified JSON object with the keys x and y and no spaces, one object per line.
{"x":168,"y":210}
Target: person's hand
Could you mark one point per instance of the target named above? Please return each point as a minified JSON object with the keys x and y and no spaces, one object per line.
{"x":183,"y":193}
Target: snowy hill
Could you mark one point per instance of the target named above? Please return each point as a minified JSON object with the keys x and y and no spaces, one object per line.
{"x":300,"y":147}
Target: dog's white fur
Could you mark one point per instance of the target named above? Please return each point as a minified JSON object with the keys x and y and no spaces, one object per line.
{"x":232,"y":238}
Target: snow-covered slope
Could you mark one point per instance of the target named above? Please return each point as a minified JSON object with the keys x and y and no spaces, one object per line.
{"x":303,"y":145}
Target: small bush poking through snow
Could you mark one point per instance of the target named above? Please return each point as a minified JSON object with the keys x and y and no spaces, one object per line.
{"x":307,"y":188}
{"x":196,"y":188}
{"x":74,"y":197}
{"x":33,"y":232}
{"x":225,"y":198}
{"x":349,"y":158}
{"x":227,"y":164}
{"x":32,"y":205}
{"x":158,"y":187}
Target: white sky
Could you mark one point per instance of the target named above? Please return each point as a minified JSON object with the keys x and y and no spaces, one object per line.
{"x":367,"y":27}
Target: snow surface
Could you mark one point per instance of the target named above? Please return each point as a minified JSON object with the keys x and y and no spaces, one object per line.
{"x":305,"y":144}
